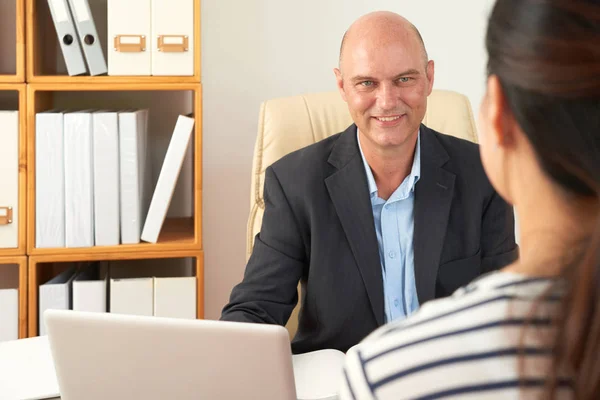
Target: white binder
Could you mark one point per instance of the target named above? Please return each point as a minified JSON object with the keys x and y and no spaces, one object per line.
{"x":129,"y":35}
{"x":88,"y":36}
{"x":134,"y":173}
{"x":67,"y":37}
{"x":90,"y":288}
{"x":107,"y":225}
{"x":172,"y":37}
{"x":9,"y":179}
{"x":79,"y":183}
{"x":175,"y":297}
{"x":9,"y":302}
{"x":55,"y":294}
{"x":167,"y":178}
{"x":49,"y":180}
{"x":131,"y":296}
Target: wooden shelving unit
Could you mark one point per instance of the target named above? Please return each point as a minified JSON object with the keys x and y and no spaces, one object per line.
{"x":41,"y":40}
{"x":42,"y":268}
{"x":177,"y":234}
{"x":37,"y":82}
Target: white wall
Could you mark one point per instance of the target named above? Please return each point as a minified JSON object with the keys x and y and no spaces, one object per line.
{"x":253,"y":50}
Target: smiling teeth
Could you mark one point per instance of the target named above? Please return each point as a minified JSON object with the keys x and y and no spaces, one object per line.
{"x":388,"y":119}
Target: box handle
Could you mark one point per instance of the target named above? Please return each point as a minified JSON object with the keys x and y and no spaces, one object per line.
{"x":172,"y":43}
{"x":130,"y":43}
{"x":6,"y":214}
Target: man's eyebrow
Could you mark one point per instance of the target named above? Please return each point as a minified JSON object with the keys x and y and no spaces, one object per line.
{"x":361,"y":78}
{"x":408,"y":72}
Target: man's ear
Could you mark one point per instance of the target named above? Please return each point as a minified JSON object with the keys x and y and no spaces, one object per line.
{"x":430,"y":71}
{"x":340,"y":82}
{"x":502,"y":123}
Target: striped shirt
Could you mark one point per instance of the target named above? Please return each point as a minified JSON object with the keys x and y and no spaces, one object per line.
{"x":466,"y":346}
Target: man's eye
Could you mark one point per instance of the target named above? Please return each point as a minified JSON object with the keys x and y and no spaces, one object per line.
{"x":367,"y":83}
{"x":403,"y":79}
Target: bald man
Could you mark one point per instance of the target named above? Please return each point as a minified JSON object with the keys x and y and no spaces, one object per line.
{"x":380,"y":218}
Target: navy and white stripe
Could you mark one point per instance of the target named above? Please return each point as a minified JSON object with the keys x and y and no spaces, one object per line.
{"x":466,"y":346}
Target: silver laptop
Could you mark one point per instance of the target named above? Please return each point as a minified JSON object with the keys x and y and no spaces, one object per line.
{"x":107,"y":356}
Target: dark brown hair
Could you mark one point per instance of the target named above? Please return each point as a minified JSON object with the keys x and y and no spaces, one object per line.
{"x":546,"y":55}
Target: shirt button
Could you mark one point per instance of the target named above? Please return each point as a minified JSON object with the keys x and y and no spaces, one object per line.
{"x":392,"y":254}
{"x":387,"y":206}
{"x":396,"y":302}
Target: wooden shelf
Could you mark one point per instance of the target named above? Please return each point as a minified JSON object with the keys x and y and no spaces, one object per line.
{"x":42,"y":268}
{"x":39,"y":97}
{"x":116,"y":86}
{"x":177,"y":235}
{"x":21,"y":262}
{"x":10,"y":79}
{"x":105,"y":79}
{"x":21,"y":248}
{"x":43,"y":50}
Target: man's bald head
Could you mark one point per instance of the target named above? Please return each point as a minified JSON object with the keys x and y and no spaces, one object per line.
{"x":380,"y":25}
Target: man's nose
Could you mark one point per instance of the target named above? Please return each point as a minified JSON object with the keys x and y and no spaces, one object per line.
{"x":388,"y":97}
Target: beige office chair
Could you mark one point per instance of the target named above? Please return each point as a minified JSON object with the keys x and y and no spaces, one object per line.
{"x":290,"y":123}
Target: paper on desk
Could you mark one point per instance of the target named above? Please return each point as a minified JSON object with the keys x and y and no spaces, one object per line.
{"x":318,"y":374}
{"x":27,"y":370}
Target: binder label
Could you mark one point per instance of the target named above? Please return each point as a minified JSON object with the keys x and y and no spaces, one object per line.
{"x":81,"y":10}
{"x":60,"y":10}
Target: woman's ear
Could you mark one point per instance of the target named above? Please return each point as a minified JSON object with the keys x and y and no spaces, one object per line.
{"x":500,"y":118}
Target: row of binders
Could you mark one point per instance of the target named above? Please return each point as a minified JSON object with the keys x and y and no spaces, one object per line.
{"x":93,"y":186}
{"x":91,"y":287}
{"x":9,"y":179}
{"x":145,"y":37}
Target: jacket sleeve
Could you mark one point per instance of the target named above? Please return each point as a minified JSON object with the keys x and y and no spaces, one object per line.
{"x":268,"y":292}
{"x":498,"y":245}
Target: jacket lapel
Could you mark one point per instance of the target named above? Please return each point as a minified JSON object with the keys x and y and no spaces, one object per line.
{"x":433,"y":197}
{"x":349,"y":193}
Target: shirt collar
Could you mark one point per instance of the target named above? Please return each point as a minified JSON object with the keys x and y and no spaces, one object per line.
{"x":415,"y":172}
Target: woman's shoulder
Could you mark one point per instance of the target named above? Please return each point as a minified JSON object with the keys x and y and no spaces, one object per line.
{"x":487,"y":298}
{"x":448,"y":337}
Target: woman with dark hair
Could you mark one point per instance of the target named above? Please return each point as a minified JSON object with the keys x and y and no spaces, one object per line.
{"x":531,"y":330}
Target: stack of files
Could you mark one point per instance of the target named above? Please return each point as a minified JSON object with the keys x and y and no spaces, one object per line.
{"x":56,"y":294}
{"x":93,"y":177}
{"x":151,"y":294}
{"x":175,"y":297}
{"x":151,"y":37}
{"x":81,"y":286}
{"x":9,"y":303}
{"x":318,"y":374}
{"x":9,"y":179}
{"x":27,"y":370}
{"x":77,"y":36}
{"x":90,"y":287}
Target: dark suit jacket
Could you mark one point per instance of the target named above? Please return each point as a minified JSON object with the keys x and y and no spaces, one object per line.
{"x":318,"y":228}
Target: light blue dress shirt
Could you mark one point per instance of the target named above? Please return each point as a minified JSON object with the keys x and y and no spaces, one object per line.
{"x":394,"y":225}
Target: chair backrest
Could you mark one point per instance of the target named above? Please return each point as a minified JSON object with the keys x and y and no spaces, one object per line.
{"x":290,"y":123}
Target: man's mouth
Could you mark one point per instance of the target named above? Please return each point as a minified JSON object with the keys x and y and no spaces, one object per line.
{"x":388,"y":119}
